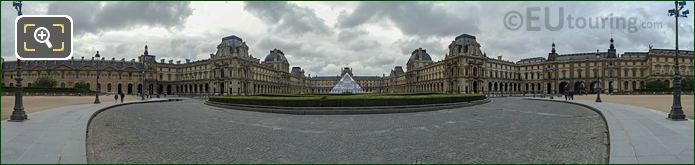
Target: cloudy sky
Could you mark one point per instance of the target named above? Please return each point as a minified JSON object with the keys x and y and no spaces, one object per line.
{"x":370,"y":37}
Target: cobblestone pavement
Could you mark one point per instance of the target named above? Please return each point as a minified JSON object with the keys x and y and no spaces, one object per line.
{"x":506,"y":130}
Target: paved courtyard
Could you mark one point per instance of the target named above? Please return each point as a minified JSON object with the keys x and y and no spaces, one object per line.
{"x":507,"y":130}
{"x":42,"y":103}
{"x":656,"y":102}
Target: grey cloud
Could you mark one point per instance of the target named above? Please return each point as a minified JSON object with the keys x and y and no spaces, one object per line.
{"x":176,"y":47}
{"x":422,"y":19}
{"x":433,"y":46}
{"x":362,"y":45}
{"x":271,"y":42}
{"x":288,"y":17}
{"x":356,"y":39}
{"x":95,"y":17}
{"x":351,"y":34}
{"x":8,"y":15}
{"x":323,"y":58}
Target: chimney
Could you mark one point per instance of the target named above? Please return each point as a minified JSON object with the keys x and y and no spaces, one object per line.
{"x":499,"y":57}
{"x":161,"y":61}
{"x":171,"y":61}
{"x":113,"y":59}
{"x":178,"y":62}
{"x":188,"y":61}
{"x":92,"y":58}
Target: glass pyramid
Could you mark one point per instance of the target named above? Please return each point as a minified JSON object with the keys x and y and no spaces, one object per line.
{"x":346,"y":85}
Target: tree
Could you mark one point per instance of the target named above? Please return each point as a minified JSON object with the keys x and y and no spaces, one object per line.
{"x":656,"y":85}
{"x":686,"y":85}
{"x":45,"y":82}
{"x":82,"y":87}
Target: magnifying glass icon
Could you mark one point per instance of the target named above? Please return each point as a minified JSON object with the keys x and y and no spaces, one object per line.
{"x":42,"y":35}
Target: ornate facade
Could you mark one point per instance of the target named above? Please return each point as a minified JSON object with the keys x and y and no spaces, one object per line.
{"x":231,"y":70}
{"x":466,"y":69}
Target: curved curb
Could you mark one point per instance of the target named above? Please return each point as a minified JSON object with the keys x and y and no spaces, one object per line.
{"x":593,"y":109}
{"x":86,"y":135}
{"x":122,"y":104}
{"x":345,"y":110}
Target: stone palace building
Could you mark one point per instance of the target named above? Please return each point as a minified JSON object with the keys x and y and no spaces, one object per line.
{"x":465,"y":69}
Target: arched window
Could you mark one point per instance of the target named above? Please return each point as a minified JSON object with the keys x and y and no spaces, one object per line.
{"x":625,"y":73}
{"x":625,"y":84}
{"x":634,"y":85}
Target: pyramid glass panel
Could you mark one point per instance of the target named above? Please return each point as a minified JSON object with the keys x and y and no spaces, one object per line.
{"x":346,"y":85}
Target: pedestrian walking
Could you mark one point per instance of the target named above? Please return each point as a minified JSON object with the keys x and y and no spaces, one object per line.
{"x":572,"y":95}
{"x":115,"y":96}
{"x":122,"y":96}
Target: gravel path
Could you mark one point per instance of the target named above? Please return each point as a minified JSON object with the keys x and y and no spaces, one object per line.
{"x":507,"y":130}
{"x":42,"y":103}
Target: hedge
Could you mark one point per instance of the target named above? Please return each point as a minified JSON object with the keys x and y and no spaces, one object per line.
{"x":351,"y":100}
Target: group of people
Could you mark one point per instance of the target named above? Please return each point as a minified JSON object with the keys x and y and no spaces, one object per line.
{"x":117,"y":95}
{"x":569,"y":94}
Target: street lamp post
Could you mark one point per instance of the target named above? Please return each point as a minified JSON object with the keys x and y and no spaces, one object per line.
{"x":598,"y":80}
{"x":676,"y":109}
{"x":542,"y":95}
{"x":18,"y":114}
{"x":96,"y":99}
{"x":17,"y":6}
{"x":142,"y":87}
{"x":551,"y":68}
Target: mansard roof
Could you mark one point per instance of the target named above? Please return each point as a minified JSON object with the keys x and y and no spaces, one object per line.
{"x":275,"y":55}
{"x":367,"y":78}
{"x":334,"y":78}
{"x":232,"y":41}
{"x":74,"y":64}
{"x":465,"y":36}
{"x":577,"y":56}
{"x":420,"y":54}
{"x":640,"y":55}
{"x":531,"y":60}
{"x":232,"y":37}
{"x":669,"y":51}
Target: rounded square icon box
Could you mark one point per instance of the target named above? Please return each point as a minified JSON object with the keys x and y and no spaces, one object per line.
{"x":43,"y":37}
